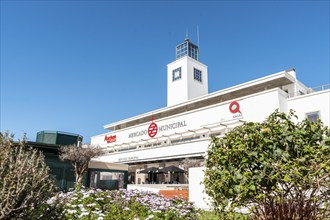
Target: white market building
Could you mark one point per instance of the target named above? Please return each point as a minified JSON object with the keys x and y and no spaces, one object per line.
{"x":169,"y":135}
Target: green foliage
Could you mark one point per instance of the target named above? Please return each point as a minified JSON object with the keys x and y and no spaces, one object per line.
{"x":24,"y":178}
{"x":277,"y":169}
{"x":211,"y":215}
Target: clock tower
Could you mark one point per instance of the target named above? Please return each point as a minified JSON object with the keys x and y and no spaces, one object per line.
{"x":186,"y":76}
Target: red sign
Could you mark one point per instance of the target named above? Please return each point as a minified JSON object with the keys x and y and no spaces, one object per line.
{"x":110,"y":138}
{"x":234,"y":107}
{"x":152,"y":130}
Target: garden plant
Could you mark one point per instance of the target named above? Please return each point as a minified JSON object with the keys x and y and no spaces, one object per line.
{"x":115,"y":205}
{"x":277,"y":169}
{"x":24,"y":178}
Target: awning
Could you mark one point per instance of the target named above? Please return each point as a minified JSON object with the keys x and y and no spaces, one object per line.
{"x":149,"y":170}
{"x":171,"y":169}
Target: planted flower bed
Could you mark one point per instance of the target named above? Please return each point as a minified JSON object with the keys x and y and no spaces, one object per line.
{"x":118,"y":205}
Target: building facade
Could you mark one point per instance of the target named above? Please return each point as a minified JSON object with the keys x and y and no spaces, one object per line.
{"x":102,"y":175}
{"x":180,"y":133}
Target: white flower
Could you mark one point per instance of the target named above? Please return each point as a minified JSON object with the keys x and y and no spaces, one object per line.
{"x":71,"y":211}
{"x":83,"y":214}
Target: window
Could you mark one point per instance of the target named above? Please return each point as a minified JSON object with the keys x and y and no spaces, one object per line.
{"x":181,"y":50}
{"x":176,"y":74}
{"x":193,"y":51}
{"x":313,"y":116}
{"x":197,"y":75}
{"x":187,"y":49}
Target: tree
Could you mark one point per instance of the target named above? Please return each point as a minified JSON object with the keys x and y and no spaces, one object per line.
{"x":24,"y":178}
{"x":277,"y":169}
{"x":80,"y":157}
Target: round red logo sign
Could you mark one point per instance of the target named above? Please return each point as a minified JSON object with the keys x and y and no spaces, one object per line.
{"x":152,"y":130}
{"x":234,"y":107}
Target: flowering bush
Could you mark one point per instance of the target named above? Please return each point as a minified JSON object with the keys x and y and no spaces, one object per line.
{"x":119,"y":205}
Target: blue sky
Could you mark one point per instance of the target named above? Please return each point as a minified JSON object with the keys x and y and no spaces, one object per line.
{"x":75,"y":66}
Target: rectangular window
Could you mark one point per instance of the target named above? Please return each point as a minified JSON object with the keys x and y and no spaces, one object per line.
{"x":313,"y":116}
{"x":197,"y":75}
{"x":181,"y":50}
{"x":176,"y":74}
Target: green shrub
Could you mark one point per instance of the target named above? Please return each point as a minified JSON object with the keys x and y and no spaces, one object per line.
{"x":278,"y":169}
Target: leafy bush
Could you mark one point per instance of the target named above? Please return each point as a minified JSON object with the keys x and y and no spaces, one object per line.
{"x":277,"y":169}
{"x":119,"y":205}
{"x":24,"y":178}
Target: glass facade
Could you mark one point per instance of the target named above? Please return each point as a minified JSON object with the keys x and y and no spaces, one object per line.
{"x":58,"y":137}
{"x":176,"y":74}
{"x":61,"y":171}
{"x":187,"y":49}
{"x":197,"y":75}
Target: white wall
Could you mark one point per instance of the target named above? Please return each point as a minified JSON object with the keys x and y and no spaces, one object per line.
{"x":317,"y":101}
{"x":258,"y":107}
{"x":186,"y":88}
{"x":196,"y":88}
{"x":197,"y":148}
{"x":253,"y":108}
{"x":282,"y":98}
{"x":177,"y":91}
{"x":196,"y":189}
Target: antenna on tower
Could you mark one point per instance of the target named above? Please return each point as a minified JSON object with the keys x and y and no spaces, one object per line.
{"x":187,"y":37}
{"x":197,"y":36}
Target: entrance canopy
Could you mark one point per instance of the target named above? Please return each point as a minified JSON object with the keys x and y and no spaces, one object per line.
{"x":171,"y":169}
{"x":149,"y":170}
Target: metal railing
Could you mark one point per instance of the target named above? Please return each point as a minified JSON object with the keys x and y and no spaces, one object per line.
{"x":309,"y":91}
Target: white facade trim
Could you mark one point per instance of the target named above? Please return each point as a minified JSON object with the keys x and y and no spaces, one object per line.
{"x":273,"y":77}
{"x":192,"y":111}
